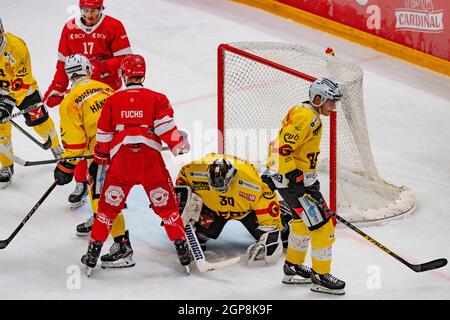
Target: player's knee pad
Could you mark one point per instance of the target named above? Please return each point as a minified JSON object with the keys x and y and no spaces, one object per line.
{"x":299,"y":243}
{"x":37,"y":116}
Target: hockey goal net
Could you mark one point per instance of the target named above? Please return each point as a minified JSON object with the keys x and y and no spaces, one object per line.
{"x":258,"y":82}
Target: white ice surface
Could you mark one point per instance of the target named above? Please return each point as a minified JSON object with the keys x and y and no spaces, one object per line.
{"x":408,"y":114}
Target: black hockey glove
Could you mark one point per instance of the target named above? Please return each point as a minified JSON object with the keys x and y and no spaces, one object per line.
{"x":6,"y":105}
{"x":63,"y":173}
{"x":266,"y":177}
{"x":296,"y":185}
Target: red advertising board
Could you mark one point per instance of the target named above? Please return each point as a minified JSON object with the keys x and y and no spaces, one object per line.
{"x":419,"y":24}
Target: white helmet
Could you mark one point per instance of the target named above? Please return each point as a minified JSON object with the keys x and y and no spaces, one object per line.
{"x":78,"y":65}
{"x":326,"y":89}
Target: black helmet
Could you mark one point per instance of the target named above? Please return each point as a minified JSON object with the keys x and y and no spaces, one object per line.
{"x":220,"y":174}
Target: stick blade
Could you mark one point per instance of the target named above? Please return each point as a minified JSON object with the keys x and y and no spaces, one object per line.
{"x":209,"y":266}
{"x":3,"y":244}
{"x":435,"y":264}
{"x":47,"y":144}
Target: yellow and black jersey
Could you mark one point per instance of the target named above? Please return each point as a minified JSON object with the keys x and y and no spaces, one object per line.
{"x":298,"y":143}
{"x":15,"y":68}
{"x":79,"y":113}
{"x":246,"y":193}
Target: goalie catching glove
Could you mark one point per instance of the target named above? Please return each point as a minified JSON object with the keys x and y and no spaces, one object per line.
{"x":268,"y":249}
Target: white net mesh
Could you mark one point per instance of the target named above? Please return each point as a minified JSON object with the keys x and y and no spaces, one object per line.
{"x":256,"y":98}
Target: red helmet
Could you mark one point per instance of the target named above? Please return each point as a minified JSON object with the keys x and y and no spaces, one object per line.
{"x":132,"y":65}
{"x":91,"y":4}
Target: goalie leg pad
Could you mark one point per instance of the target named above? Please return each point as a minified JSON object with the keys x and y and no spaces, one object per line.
{"x":190,"y":204}
{"x":268,"y":249}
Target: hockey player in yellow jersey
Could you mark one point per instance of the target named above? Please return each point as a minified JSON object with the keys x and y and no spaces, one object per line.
{"x":18,"y":88}
{"x":79,"y":113}
{"x":291,"y":169}
{"x":226,"y":188}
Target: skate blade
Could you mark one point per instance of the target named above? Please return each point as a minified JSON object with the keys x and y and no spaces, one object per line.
{"x":188,"y":270}
{"x":88,"y":271}
{"x":295,"y":280}
{"x":118,"y":264}
{"x":76,"y":205}
{"x":318,"y":288}
{"x":3,"y":185}
{"x":83,"y":234}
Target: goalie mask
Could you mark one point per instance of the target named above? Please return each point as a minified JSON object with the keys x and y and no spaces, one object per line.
{"x":220,"y":174}
{"x":326,"y":89}
{"x":78,"y":65}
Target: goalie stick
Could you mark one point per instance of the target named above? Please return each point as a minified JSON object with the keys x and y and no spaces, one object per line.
{"x":198,"y":255}
{"x":4,"y":243}
{"x":44,"y":146}
{"x":27,"y":163}
{"x":435,"y":264}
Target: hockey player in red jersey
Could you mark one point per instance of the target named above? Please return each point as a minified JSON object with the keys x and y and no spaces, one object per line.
{"x":104,"y":41}
{"x":131,"y":128}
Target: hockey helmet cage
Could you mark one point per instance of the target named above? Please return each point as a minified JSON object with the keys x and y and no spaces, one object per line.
{"x":132,"y":65}
{"x":326,"y":89}
{"x":77,"y":65}
{"x":220,"y":174}
{"x":92,"y":4}
{"x":1,"y":26}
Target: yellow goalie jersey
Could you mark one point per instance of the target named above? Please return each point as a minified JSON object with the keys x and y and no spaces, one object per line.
{"x":15,"y":68}
{"x":79,"y":112}
{"x":246,"y":192}
{"x":298,"y":143}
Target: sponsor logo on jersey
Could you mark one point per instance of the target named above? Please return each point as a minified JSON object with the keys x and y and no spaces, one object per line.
{"x":314,"y":122}
{"x":159,"y":197}
{"x":298,"y":127}
{"x":274,"y":209}
{"x":269,"y":195}
{"x":248,"y":185}
{"x":247,"y":196}
{"x":198,"y":185}
{"x":291,"y":138}
{"x":90,"y":92}
{"x":183,"y":172}
{"x":114,"y":195}
{"x":198,"y":174}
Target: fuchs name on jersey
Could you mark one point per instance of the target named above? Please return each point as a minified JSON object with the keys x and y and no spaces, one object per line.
{"x":132,"y":114}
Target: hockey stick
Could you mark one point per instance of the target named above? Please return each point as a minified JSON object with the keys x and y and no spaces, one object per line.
{"x":4,"y":243}
{"x":199,"y":257}
{"x":27,"y":163}
{"x":435,"y":264}
{"x":26,"y":110}
{"x":44,"y":146}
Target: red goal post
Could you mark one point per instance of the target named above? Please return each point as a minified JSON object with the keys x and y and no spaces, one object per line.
{"x":258,"y":82}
